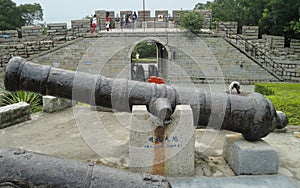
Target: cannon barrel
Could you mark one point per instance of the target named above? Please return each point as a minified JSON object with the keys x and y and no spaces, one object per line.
{"x":252,"y":115}
{"x":20,"y":168}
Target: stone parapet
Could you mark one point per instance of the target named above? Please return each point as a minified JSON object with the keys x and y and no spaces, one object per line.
{"x":14,"y":114}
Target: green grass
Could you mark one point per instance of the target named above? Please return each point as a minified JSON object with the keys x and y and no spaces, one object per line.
{"x":285,"y":97}
{"x":145,"y":60}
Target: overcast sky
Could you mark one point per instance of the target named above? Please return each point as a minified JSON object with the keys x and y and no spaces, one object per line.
{"x":63,"y":11}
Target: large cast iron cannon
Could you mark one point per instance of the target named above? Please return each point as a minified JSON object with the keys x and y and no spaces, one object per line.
{"x":252,"y":115}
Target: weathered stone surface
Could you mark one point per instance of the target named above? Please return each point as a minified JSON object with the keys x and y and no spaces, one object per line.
{"x":246,"y":157}
{"x":53,"y":104}
{"x":232,"y":182}
{"x":14,"y":114}
{"x":170,"y":153}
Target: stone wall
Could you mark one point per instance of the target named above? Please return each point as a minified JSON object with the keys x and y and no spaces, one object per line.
{"x":250,"y":32}
{"x":295,"y":47}
{"x":80,"y":27}
{"x":30,"y":33}
{"x":9,"y":36}
{"x":14,"y":114}
{"x":223,"y":27}
{"x":66,"y":56}
{"x":57,"y":31}
{"x":144,"y":15}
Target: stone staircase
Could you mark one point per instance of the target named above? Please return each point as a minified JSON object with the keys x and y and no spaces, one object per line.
{"x":195,"y":59}
{"x":217,"y":61}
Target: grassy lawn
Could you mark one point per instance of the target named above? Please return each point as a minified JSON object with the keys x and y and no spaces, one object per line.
{"x":145,"y":60}
{"x":285,"y":97}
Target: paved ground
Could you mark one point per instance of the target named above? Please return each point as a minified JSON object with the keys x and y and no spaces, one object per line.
{"x":72,"y":133}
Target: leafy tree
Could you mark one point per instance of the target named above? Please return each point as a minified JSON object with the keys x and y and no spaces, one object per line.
{"x":31,"y":13}
{"x":192,"y":21}
{"x":276,"y":17}
{"x":13,"y":17}
{"x":10,"y":16}
{"x":279,"y":16}
{"x":146,"y":49}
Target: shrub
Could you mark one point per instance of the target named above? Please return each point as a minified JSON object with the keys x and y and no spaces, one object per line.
{"x":192,"y":21}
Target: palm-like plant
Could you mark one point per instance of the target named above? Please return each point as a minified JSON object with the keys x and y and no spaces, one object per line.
{"x":33,"y":99}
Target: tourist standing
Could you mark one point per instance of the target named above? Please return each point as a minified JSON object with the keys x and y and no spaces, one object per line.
{"x":107,"y":21}
{"x":137,"y":57}
{"x":94,"y":23}
{"x":134,"y":19}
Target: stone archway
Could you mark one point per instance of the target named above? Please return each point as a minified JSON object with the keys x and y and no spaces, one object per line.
{"x":162,"y":57}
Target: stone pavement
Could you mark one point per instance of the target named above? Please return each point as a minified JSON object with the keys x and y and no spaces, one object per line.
{"x":67,"y":134}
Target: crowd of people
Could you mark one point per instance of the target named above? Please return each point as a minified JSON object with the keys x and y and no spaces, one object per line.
{"x":129,"y":20}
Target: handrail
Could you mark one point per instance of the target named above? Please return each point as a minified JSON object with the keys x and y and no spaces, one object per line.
{"x":276,"y":68}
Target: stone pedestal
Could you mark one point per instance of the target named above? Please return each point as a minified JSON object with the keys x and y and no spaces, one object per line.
{"x":166,"y":150}
{"x":245,"y":157}
{"x":53,"y":104}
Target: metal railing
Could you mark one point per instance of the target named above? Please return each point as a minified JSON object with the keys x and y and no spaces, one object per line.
{"x":253,"y":52}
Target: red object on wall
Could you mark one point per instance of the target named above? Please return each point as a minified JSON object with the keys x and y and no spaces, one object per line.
{"x":157,"y":80}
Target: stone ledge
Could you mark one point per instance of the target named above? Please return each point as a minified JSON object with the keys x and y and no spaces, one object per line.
{"x":14,"y":114}
{"x":53,"y":104}
{"x":245,"y":157}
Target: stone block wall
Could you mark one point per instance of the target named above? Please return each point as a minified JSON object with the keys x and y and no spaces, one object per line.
{"x":250,"y":32}
{"x":9,"y":36}
{"x":53,"y":104}
{"x":163,"y":13}
{"x":57,"y":31}
{"x":295,"y":47}
{"x":14,"y":114}
{"x":81,"y":27}
{"x":30,"y":33}
{"x":222,"y":27}
{"x":141,"y":15}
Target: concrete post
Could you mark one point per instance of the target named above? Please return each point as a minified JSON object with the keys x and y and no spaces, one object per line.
{"x":166,"y":150}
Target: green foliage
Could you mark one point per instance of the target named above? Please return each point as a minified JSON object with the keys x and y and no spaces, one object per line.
{"x":192,"y":21}
{"x":262,"y":89}
{"x":13,"y":16}
{"x":146,"y":49}
{"x":34,"y":99}
{"x":31,"y":13}
{"x":275,"y":17}
{"x":285,"y":97}
{"x":10,"y":16}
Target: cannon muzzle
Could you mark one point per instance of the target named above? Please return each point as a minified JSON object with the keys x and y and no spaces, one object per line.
{"x":252,"y":115}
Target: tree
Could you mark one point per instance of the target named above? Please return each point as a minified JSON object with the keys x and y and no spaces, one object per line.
{"x":10,"y":16}
{"x":192,"y":21}
{"x":275,"y":17}
{"x":279,"y":16}
{"x":146,"y":49}
{"x":31,"y":13}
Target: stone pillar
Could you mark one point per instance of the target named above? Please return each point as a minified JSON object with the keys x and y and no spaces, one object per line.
{"x":245,"y":157}
{"x":166,"y":150}
{"x":53,"y":104}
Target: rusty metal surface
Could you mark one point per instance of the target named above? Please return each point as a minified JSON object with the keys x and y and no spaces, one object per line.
{"x":252,"y":115}
{"x":22,"y":168}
